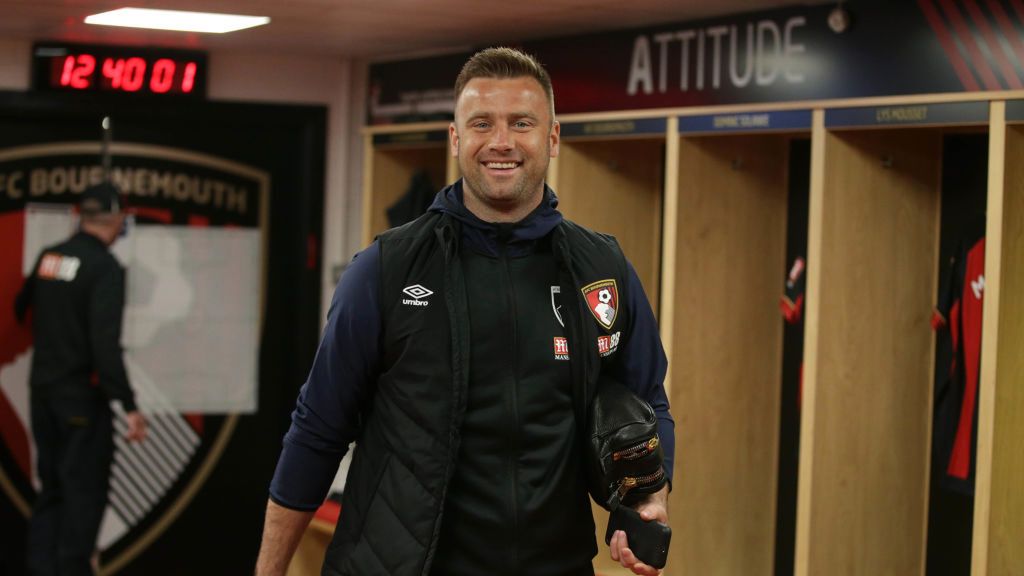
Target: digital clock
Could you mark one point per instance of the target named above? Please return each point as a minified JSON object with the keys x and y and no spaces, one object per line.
{"x":83,"y":68}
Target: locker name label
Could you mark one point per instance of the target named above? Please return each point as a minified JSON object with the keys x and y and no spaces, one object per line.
{"x":900,"y":114}
{"x":932,"y":114}
{"x":743,"y":121}
{"x":615,"y":127}
{"x":627,"y":127}
{"x":1015,"y":110}
{"x":420,"y":137}
{"x":746,"y":122}
{"x":411,"y":137}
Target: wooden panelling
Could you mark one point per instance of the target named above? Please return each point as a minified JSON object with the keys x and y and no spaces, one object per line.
{"x":999,"y":512}
{"x":1006,"y":536}
{"x":812,"y":313}
{"x":670,"y":239}
{"x":726,"y":352}
{"x":864,"y":482}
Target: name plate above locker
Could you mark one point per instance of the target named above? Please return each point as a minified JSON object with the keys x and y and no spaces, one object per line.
{"x":1015,"y":110}
{"x":635,"y":127}
{"x":746,"y":122}
{"x":424,"y":137}
{"x":908,"y":115}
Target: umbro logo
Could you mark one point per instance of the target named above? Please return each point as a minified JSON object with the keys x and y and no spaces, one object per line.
{"x":418,"y":293}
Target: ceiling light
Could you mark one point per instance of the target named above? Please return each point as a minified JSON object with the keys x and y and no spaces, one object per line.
{"x":176,"y":20}
{"x":839,"y":18}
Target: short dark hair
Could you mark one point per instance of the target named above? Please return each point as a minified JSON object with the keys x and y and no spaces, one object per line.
{"x":502,"y":63}
{"x":102,"y":198}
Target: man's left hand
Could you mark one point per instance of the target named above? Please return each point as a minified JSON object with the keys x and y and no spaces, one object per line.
{"x":654,"y":507}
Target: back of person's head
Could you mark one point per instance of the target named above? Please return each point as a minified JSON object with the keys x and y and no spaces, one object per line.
{"x":505,"y":63}
{"x":101,"y":211}
{"x":100,"y":202}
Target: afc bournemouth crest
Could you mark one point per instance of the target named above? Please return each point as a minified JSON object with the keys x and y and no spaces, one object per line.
{"x":603,"y":301}
{"x":193,"y":254}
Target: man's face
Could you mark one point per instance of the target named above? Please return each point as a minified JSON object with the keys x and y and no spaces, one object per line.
{"x":504,"y":137}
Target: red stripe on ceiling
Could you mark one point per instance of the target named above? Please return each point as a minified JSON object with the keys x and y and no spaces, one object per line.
{"x":995,"y":47}
{"x":966,"y":37}
{"x":948,"y":46}
{"x":1018,"y":7}
{"x":1011,"y":34}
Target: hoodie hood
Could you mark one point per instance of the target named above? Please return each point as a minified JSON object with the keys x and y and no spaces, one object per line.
{"x":489,"y":237}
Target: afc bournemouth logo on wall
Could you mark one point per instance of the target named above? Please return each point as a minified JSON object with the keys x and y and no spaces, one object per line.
{"x":195,"y":246}
{"x":603,"y":301}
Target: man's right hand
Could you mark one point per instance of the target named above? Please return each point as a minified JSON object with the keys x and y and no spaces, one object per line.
{"x":653,"y":508}
{"x":136,"y":426}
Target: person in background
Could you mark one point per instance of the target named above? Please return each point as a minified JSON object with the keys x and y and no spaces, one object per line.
{"x":75,"y":294}
{"x":460,"y":354}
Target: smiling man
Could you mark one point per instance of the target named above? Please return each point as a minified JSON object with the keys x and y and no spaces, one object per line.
{"x":503,"y":135}
{"x":461,"y":353}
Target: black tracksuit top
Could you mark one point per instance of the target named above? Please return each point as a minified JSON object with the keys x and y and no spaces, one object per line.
{"x":468,"y":455}
{"x":76,"y":296}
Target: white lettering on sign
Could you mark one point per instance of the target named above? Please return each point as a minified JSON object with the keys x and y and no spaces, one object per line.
{"x":183,"y":187}
{"x":12,"y":184}
{"x":763,"y":51}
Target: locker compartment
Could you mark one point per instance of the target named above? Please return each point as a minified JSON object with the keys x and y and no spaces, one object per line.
{"x":391,"y":162}
{"x":614,"y":184}
{"x":950,"y":498}
{"x":868,"y":384}
{"x":729,"y":260}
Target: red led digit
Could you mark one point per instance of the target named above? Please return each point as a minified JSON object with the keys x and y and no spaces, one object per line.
{"x":113,"y":71}
{"x":163,"y":76}
{"x":69,"y":66}
{"x":118,"y":70}
{"x":189,"y":80}
{"x":81,"y":75}
{"x":134,"y":74}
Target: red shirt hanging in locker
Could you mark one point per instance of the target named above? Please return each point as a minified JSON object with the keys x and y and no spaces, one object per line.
{"x":960,"y":312}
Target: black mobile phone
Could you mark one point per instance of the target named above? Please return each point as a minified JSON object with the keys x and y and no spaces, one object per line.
{"x":648,"y":540}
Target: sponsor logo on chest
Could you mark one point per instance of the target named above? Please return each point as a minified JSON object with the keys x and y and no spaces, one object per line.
{"x":561,"y":348}
{"x":606,"y":345}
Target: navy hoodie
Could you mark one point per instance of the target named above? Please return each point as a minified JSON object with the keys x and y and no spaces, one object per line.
{"x":326,"y":417}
